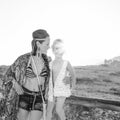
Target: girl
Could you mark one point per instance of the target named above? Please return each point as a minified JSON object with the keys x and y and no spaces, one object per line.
{"x":62,"y":75}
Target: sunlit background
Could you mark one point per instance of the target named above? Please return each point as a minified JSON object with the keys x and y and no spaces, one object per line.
{"x":90,"y":29}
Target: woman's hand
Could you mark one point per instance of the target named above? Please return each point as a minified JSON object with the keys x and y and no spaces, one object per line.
{"x":17,"y":88}
{"x":66,"y":80}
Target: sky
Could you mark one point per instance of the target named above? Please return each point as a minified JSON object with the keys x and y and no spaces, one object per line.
{"x":90,"y":29}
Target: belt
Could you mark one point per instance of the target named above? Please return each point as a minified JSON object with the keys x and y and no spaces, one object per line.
{"x":32,"y":93}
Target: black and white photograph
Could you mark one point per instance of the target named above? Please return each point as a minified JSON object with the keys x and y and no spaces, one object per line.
{"x":60,"y":60}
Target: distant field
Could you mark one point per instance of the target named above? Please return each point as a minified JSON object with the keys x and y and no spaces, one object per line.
{"x":101,"y":82}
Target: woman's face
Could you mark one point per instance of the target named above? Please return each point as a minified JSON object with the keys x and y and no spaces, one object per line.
{"x":44,"y":46}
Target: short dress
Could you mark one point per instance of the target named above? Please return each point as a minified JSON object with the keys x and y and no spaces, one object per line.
{"x":60,"y":88}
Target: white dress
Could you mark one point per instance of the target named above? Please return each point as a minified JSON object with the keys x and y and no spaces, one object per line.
{"x":60,"y":88}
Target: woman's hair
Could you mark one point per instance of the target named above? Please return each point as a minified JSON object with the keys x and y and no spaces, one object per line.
{"x":38,"y":35}
{"x":34,"y":47}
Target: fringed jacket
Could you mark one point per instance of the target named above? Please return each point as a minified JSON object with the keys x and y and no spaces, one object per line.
{"x":17,"y":72}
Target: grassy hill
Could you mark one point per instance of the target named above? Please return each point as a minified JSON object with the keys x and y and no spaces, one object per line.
{"x":98,"y":81}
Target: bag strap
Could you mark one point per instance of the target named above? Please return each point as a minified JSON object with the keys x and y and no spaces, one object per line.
{"x":29,"y":61}
{"x":38,"y":80}
{"x":51,"y":84}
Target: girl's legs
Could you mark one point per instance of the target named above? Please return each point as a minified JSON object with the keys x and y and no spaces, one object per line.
{"x":50,"y":109}
{"x":59,"y":107}
{"x":23,"y":114}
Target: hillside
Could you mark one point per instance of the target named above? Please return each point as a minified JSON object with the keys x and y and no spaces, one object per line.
{"x":98,"y":81}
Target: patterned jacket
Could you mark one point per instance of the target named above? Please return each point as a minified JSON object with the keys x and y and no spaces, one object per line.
{"x":17,"y":72}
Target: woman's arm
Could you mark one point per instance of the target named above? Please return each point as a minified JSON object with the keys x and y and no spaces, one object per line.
{"x":10,"y":78}
{"x":72,"y":75}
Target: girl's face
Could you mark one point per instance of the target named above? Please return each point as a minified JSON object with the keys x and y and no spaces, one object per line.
{"x":44,"y":46}
{"x":58,"y":49}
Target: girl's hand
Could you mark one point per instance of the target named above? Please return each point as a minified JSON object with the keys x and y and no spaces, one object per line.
{"x":67,"y":78}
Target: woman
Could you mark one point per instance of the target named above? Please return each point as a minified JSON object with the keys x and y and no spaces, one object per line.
{"x":61,"y":82}
{"x":22,"y":88}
